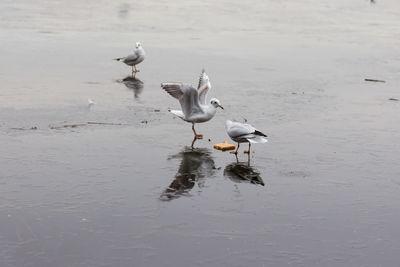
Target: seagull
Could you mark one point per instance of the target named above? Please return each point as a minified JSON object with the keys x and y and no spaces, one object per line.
{"x":135,"y":58}
{"x":193,"y":101}
{"x":90,"y":102}
{"x":244,"y":133}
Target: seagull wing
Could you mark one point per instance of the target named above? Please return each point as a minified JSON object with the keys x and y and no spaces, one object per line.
{"x":131,"y":59}
{"x":174,"y":89}
{"x":188,"y":97}
{"x":237,"y":129}
{"x":203,"y":87}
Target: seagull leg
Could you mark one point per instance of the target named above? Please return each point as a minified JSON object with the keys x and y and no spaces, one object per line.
{"x":197,"y":136}
{"x":194,"y":140}
{"x":235,"y":152}
{"x":136,"y":70}
{"x":248,"y":151}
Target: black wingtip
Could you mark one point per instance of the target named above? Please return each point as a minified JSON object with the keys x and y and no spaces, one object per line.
{"x":256,"y":132}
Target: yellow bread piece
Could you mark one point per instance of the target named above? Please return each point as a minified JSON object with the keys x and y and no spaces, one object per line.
{"x":224,"y":146}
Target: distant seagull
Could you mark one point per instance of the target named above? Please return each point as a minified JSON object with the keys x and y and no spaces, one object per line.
{"x":244,"y":133}
{"x":135,"y":58}
{"x":193,"y":102}
{"x":90,"y":102}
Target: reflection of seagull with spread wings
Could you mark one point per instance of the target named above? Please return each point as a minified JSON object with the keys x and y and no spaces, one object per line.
{"x":243,"y":172}
{"x":196,"y":164}
{"x":133,"y":84}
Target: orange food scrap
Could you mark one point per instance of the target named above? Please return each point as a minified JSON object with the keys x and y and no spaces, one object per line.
{"x":224,"y":146}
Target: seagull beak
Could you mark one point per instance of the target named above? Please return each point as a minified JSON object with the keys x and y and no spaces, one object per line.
{"x":221,"y":106}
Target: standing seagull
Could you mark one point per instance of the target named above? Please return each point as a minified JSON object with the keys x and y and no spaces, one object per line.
{"x":193,"y":102}
{"x":135,"y":58}
{"x":244,"y":133}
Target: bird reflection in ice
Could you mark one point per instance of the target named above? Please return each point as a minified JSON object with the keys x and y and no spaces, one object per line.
{"x":196,"y":165}
{"x":134,"y":84}
{"x":243,"y":172}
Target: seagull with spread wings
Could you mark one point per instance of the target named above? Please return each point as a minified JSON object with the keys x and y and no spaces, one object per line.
{"x":193,"y":101}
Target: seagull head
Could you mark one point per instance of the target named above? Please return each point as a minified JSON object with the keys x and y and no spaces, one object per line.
{"x":138,"y":44}
{"x":215,"y":103}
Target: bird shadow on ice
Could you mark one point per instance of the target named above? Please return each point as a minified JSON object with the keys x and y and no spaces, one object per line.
{"x":134,"y":84}
{"x":240,"y":172}
{"x":195,"y":166}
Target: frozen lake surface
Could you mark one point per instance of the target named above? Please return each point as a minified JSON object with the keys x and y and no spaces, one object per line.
{"x":135,"y":194}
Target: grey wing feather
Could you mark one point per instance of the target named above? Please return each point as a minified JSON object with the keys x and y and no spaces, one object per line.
{"x":190,"y":101}
{"x":131,"y":59}
{"x":188,"y":97}
{"x":174,"y":89}
{"x":201,"y":79}
{"x":240,"y":129}
{"x":203,"y":87}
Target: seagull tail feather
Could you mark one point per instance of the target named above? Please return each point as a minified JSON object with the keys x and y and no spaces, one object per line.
{"x":257,"y":139}
{"x":177,"y":113}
